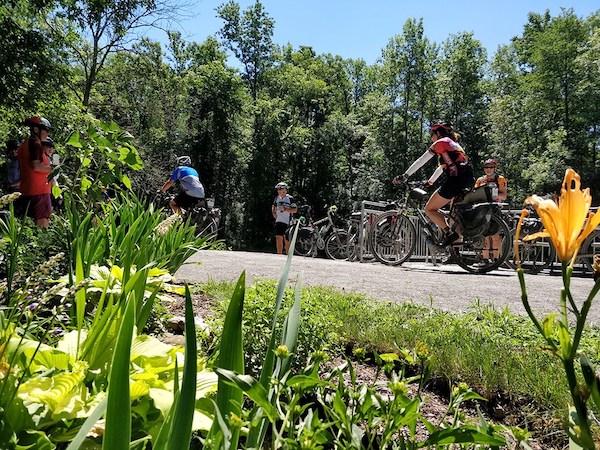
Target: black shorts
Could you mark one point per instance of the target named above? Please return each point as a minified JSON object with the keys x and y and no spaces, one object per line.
{"x":456,"y":184}
{"x":280,"y":228}
{"x":186,"y":201}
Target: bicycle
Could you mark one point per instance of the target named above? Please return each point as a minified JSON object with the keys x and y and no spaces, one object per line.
{"x":202,"y":215}
{"x":320,"y":235}
{"x":393,"y":236}
{"x":535,"y":255}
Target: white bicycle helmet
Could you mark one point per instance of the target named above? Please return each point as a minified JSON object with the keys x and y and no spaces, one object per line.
{"x":184,"y":161}
{"x":281,"y":185}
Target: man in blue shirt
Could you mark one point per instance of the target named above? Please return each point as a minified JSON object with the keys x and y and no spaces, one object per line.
{"x":189,"y":180}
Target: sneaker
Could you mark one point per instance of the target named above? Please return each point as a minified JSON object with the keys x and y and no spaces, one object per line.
{"x":449,"y":238}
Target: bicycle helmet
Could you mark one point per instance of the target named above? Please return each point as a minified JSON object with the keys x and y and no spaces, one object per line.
{"x":491,"y":162}
{"x":39,"y":122}
{"x":281,"y":185}
{"x":444,"y":127}
{"x":48,"y":142}
{"x":184,"y":161}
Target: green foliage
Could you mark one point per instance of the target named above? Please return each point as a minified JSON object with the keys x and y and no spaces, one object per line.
{"x":100,"y":160}
{"x":319,"y":329}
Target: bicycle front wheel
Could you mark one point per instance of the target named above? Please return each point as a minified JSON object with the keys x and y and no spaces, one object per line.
{"x":336,"y":246}
{"x":392,"y":238}
{"x":483,"y":254}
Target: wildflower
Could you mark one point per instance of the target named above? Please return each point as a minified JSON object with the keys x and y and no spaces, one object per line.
{"x":162,"y":228}
{"x":6,"y":199}
{"x":235,"y":420}
{"x":567,"y":223}
{"x":282,"y":352}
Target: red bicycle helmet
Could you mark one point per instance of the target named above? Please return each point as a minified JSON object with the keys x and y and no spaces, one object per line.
{"x":36,"y":121}
{"x":445,"y":127}
{"x":491,"y":162}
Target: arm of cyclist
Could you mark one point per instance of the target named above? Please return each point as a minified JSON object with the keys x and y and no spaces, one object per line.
{"x":167,"y":185}
{"x":420,"y":162}
{"x":435,"y":175}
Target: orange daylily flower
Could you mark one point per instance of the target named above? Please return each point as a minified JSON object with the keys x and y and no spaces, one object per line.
{"x":567,"y":223}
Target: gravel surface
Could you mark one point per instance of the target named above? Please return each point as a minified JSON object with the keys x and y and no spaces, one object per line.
{"x":445,"y":287}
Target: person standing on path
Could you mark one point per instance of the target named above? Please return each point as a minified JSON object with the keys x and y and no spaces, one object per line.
{"x":35,"y":167}
{"x":496,"y":181}
{"x":282,"y":209}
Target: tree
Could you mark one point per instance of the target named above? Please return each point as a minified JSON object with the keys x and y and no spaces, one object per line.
{"x":94,"y":30}
{"x":249,"y":37}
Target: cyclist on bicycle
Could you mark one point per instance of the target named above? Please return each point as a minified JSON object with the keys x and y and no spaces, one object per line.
{"x":188,"y":178}
{"x":454,"y":163}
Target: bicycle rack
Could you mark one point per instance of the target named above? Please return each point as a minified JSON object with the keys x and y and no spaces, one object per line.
{"x":368,"y":212}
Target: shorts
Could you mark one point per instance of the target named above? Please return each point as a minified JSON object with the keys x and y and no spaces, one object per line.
{"x":186,"y":201}
{"x":280,"y":228}
{"x":457,"y":184}
{"x":35,"y":206}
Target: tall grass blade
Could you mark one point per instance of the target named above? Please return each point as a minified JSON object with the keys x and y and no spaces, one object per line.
{"x":79,"y":296}
{"x":87,"y":425}
{"x":117,"y":435}
{"x":231,"y":357}
{"x":181,"y":431}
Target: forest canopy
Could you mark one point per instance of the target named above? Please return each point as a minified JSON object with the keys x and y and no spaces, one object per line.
{"x":337,"y":130}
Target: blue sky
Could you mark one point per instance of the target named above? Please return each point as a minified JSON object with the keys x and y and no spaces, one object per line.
{"x":362,"y":28}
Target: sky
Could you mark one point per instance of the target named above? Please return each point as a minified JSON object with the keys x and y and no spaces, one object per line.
{"x":362,"y":28}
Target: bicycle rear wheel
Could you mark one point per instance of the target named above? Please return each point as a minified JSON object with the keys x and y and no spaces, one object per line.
{"x":392,"y":238}
{"x":535,"y":256}
{"x":336,"y":245}
{"x":589,"y":249}
{"x":484,"y":253}
{"x":305,"y":242}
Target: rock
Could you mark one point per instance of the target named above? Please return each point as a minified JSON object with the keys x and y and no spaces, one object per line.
{"x":499,"y":413}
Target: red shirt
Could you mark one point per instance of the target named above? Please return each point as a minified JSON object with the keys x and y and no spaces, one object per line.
{"x":448,"y":151}
{"x":33,"y":182}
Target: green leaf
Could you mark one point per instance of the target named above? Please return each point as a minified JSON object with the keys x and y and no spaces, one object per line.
{"x":74,"y":140}
{"x":126,"y":181}
{"x":464,"y":435}
{"x":117,"y":435}
{"x":252,"y":388}
{"x":591,"y":380}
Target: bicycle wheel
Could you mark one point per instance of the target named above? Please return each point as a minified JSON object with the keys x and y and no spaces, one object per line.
{"x":535,"y":256}
{"x":590,"y":247}
{"x":484,"y":253}
{"x":392,"y":238}
{"x":208,"y":228}
{"x":336,"y":245}
{"x":305,"y":242}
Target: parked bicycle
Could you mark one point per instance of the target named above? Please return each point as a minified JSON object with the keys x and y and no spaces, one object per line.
{"x":393,"y":237}
{"x":535,"y":255}
{"x":320,"y":235}
{"x":202,"y":215}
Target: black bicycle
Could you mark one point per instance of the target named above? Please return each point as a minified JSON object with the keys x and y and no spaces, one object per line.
{"x":202,"y":215}
{"x":486,"y":238}
{"x":320,"y":235}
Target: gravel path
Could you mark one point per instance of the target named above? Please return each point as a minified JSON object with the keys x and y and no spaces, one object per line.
{"x":446,"y":287}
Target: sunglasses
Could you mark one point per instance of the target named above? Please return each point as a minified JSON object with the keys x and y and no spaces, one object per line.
{"x":488,"y":167}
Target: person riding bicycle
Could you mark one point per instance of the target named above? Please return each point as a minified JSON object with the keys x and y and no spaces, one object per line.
{"x":189,"y":180}
{"x":454,"y":163}
{"x":282,"y":209}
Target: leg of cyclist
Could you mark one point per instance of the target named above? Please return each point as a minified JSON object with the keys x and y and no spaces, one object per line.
{"x":435,"y":202}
